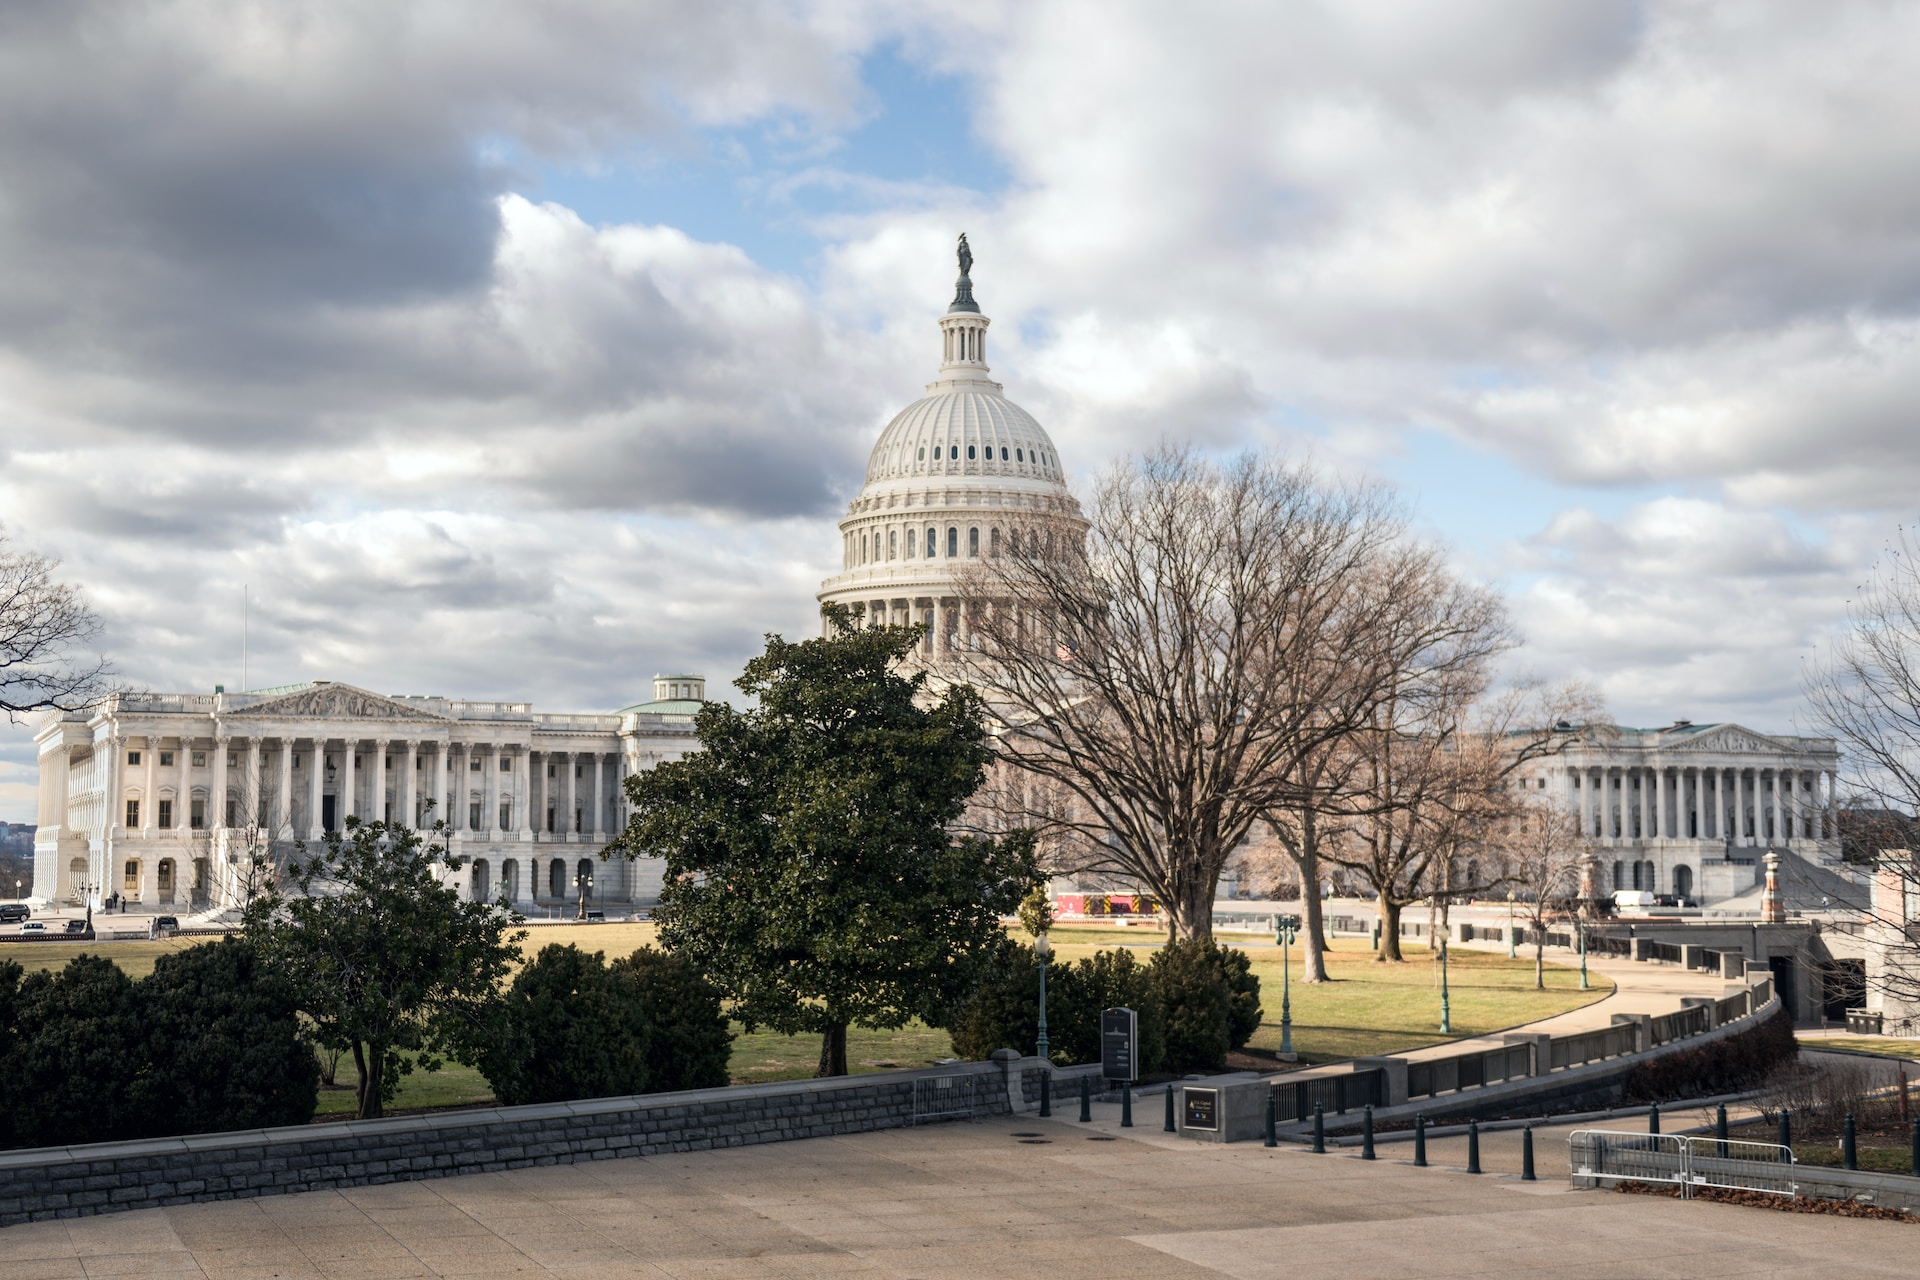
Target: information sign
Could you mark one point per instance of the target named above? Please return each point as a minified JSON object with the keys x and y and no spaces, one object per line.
{"x":1202,"y":1108}
{"x":1119,"y":1036}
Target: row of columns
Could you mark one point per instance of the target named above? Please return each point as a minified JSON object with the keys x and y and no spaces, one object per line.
{"x":1752,"y":805}
{"x":266,"y":790}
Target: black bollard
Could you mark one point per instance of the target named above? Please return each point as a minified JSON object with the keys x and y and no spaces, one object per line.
{"x":1126,"y":1106}
{"x":1526,"y":1155}
{"x":1849,"y":1155}
{"x":1170,"y":1125}
{"x":1653,"y":1118}
{"x":1785,"y":1137}
{"x":1720,"y":1130}
{"x":1319,"y":1129}
{"x":1086,"y":1099}
{"x":1272,"y":1114}
{"x":1913,"y":1157}
{"x":1419,"y":1142}
{"x":1366,"y":1133}
{"x":1473,"y":1146}
{"x":1046,"y":1094}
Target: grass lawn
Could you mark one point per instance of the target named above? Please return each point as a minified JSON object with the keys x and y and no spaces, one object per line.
{"x":1864,"y":1044}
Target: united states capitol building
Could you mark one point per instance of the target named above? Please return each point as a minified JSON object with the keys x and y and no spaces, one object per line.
{"x":161,"y":799}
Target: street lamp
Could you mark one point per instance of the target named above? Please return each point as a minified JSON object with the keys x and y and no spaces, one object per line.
{"x":1446,"y":1005}
{"x":585,"y":883}
{"x":1043,"y":949}
{"x":1283,"y":934}
{"x":1583,"y":946}
{"x":1511,"y":953}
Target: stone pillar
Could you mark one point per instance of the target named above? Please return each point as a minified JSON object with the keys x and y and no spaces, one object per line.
{"x":523,"y":792}
{"x":410,"y":787}
{"x":599,"y":824}
{"x":217,"y":791}
{"x":1779,"y":806}
{"x":1819,"y":810}
{"x":183,"y":798}
{"x":150,"y":806}
{"x":316,"y":780}
{"x":349,"y":802}
{"x":568,"y":794}
{"x":1657,"y":776}
{"x":377,"y":782}
{"x":488,"y":754}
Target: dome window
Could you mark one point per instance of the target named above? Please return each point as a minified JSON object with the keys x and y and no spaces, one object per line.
{"x":911,"y":540}
{"x":1003,"y":453}
{"x":893,"y":544}
{"x":953,"y":542}
{"x":933,"y":542}
{"x":1019,"y":456}
{"x":973,"y":542}
{"x":969,"y":453}
{"x":923,"y":453}
{"x":954,"y":452}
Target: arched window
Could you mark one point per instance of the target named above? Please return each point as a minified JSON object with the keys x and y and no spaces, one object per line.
{"x":923,"y":453}
{"x":933,"y":543}
{"x":893,"y":544}
{"x":993,"y":543}
{"x":1019,"y":456}
{"x":953,"y":452}
{"x":973,"y":542}
{"x":953,"y":542}
{"x":1013,"y":542}
{"x":911,"y":539}
{"x":863,"y":548}
{"x":1003,"y":453}
{"x":969,"y":453}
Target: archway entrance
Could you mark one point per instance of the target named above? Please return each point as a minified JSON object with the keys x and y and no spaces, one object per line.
{"x":1683,"y":882}
{"x":163,"y":882}
{"x":76,"y":876}
{"x":481,"y":886}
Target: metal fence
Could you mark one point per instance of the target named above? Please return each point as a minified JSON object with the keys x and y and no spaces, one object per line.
{"x":1665,"y":952}
{"x":952,"y":1097}
{"x":1468,"y":1070}
{"x":1686,"y":1162}
{"x":1593,"y":1046}
{"x":1691,"y":1021}
{"x":1296,"y":1099}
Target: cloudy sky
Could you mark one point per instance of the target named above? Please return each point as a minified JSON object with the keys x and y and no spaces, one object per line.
{"x":526,"y":350}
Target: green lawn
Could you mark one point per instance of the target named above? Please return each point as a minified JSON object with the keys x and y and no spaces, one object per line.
{"x":1864,"y":1044}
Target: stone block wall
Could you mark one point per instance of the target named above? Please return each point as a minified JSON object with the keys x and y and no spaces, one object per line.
{"x":66,"y":1182}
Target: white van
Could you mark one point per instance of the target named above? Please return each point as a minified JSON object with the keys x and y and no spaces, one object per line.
{"x":1632,"y":899}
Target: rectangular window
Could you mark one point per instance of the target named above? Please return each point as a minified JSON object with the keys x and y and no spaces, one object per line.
{"x":579,"y":771}
{"x":356,"y":759}
{"x":133,"y":757}
{"x":576,"y":821}
{"x":232,"y":807}
{"x":296,"y":762}
{"x":166,"y":759}
{"x":549,"y":818}
{"x":199,"y":759}
{"x":506,"y":764}
{"x":473,"y":816}
{"x":130,"y":877}
{"x":506,"y":814}
{"x":473,"y":765}
{"x":197,"y":814}
{"x":549,"y":771}
{"x":133,"y":813}
{"x":233,"y":758}
{"x":166,"y":814}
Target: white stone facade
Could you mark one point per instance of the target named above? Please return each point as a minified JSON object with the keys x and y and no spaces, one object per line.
{"x":1689,"y":810}
{"x":157,"y":797}
{"x":953,"y":477}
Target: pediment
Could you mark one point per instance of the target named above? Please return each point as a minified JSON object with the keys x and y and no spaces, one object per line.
{"x":336,"y":702}
{"x":1732,"y":738}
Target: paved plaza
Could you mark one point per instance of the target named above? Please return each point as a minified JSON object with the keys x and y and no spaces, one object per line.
{"x":971,"y":1202}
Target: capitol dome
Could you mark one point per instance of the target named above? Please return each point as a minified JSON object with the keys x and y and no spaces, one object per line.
{"x":952,"y":474}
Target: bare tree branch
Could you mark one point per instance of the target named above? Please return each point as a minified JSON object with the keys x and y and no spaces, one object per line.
{"x":45,"y":629}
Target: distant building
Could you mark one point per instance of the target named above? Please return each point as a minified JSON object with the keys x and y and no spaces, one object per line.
{"x":158,"y":798}
{"x":1689,"y":810}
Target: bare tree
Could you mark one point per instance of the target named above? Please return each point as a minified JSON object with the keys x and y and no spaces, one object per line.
{"x":1215,"y":626}
{"x":45,"y":630}
{"x":1545,"y":851}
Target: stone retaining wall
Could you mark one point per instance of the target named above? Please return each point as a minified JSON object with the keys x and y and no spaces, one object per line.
{"x":67,"y":1182}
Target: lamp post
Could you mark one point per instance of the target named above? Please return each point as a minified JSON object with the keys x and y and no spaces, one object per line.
{"x":1284,"y":928}
{"x":1043,"y":949}
{"x":1446,"y":1005}
{"x":1511,"y":953}
{"x":1583,"y":946}
{"x":585,"y":883}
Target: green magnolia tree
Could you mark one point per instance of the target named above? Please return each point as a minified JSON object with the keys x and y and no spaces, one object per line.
{"x":387,"y":960}
{"x":811,"y":874}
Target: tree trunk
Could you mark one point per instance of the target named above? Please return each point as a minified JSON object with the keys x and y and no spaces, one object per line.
{"x":1540,"y":958}
{"x":1313,"y":934}
{"x":367,"y":1060}
{"x":1389,"y":930}
{"x":833,"y":1051}
{"x":1196,"y":910}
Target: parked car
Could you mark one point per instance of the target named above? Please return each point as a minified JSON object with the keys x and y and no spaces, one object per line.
{"x":1627,"y":899}
{"x":596,"y":917}
{"x":13,"y":912}
{"x":76,"y":926}
{"x":34,"y":926}
{"x":164,"y":924}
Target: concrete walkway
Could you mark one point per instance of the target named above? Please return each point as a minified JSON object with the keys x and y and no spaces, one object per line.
{"x":997,"y":1198}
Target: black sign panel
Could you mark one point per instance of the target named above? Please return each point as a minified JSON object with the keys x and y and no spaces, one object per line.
{"x":1202,"y":1108}
{"x":1119,"y":1033}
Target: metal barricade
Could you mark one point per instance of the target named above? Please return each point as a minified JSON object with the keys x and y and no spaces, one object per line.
{"x":1687,"y":1162}
{"x":951,"y":1097}
{"x":1628,"y":1157}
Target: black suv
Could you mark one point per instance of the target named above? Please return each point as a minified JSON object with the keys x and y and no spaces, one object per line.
{"x":13,"y":912}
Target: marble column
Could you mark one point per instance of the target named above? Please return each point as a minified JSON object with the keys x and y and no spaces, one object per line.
{"x":569,"y":794}
{"x":349,"y":803}
{"x":316,"y":780}
{"x":217,"y":792}
{"x":410,"y":787}
{"x":150,"y":806}
{"x":523,"y":792}
{"x":183,"y":794}
{"x":489,"y":757}
{"x":377,"y":781}
{"x":1778,"y":807}
{"x":599,"y":824}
